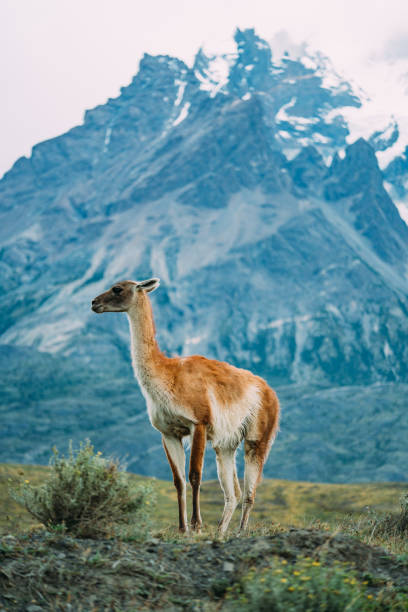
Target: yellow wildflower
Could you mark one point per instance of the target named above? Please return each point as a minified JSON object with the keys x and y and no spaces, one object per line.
{"x":316,"y":563}
{"x":26,"y":481}
{"x":284,"y":579}
{"x":296,"y":573}
{"x":369,"y":596}
{"x":291,"y":588}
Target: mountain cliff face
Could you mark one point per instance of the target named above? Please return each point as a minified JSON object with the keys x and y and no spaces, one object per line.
{"x":278,"y":247}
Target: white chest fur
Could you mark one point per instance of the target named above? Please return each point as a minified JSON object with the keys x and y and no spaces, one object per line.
{"x":167,"y":418}
{"x":164,"y":413}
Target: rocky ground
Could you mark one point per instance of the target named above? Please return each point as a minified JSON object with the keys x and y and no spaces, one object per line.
{"x":42,"y":571}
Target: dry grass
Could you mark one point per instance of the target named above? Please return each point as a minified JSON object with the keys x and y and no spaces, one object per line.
{"x":351,"y":508}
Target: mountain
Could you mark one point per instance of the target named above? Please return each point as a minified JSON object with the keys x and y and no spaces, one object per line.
{"x":278,"y":246}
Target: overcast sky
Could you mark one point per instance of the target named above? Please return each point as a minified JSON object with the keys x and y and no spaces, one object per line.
{"x":60,"y":57}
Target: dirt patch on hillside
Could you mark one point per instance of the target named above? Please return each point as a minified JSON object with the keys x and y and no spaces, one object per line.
{"x":47,"y":572}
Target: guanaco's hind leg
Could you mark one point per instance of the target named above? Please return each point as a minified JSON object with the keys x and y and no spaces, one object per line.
{"x":176,"y":456}
{"x":227,"y":476}
{"x":258,"y":441}
{"x":253,"y":472}
{"x":195,"y":472}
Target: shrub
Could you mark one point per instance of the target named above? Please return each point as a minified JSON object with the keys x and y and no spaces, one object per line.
{"x":87,"y":496}
{"x":395,"y":524}
{"x":305,"y":586}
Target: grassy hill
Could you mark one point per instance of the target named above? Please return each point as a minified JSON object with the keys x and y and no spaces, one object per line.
{"x":310,"y":546}
{"x":278,"y":501}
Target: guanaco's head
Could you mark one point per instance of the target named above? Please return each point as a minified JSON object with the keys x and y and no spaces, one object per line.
{"x":123,"y":295}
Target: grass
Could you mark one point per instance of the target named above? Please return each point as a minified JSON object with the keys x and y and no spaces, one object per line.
{"x":298,"y":553}
{"x":294,"y":566}
{"x":304,"y":585}
{"x":278,"y":502}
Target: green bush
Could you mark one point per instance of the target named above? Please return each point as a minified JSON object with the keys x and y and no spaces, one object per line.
{"x":306,"y":586}
{"x":395,"y":524}
{"x":88,"y":496}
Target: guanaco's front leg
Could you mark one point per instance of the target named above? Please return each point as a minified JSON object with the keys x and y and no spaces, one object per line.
{"x":196,"y":469}
{"x":177,"y":459}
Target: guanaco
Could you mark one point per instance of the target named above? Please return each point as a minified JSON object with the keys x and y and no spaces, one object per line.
{"x":200,"y":398}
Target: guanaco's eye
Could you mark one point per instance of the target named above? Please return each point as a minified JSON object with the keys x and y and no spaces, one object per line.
{"x":117,"y":290}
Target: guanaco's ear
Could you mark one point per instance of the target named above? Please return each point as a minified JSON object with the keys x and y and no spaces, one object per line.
{"x":149,"y":285}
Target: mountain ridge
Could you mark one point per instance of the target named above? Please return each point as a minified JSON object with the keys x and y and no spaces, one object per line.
{"x":279,"y":248}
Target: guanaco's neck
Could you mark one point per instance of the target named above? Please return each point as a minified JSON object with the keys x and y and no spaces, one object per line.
{"x":146,"y":355}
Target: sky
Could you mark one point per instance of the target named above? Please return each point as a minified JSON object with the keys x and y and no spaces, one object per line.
{"x":61,"y":57}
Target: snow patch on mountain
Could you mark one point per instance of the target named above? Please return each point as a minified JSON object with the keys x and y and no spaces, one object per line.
{"x":34,"y":233}
{"x":373,"y":116}
{"x":107,"y":138}
{"x":402,"y":207}
{"x":212,"y":71}
{"x":183,"y":114}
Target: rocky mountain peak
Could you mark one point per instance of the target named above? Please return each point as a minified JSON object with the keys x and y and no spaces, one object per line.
{"x":307,"y":168}
{"x":252,"y":69}
{"x":356,"y":171}
{"x":215,"y":178}
{"x":362,"y":153}
{"x":252,"y":49}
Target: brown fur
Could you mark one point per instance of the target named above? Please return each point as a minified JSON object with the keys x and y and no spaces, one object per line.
{"x":196,"y":469}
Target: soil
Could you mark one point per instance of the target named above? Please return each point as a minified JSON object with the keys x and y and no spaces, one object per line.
{"x":43,"y":571}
